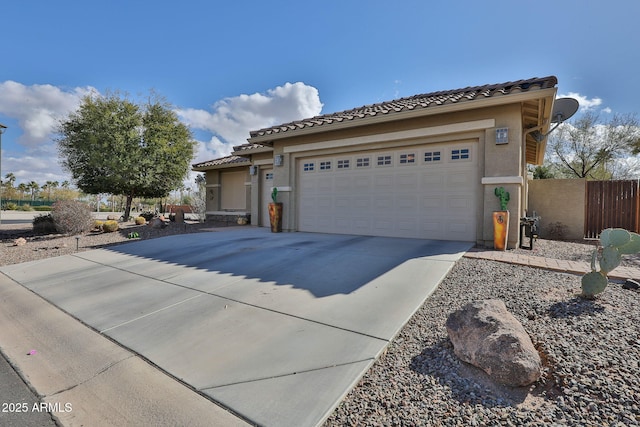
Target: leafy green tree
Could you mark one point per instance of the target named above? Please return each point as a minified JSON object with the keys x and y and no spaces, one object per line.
{"x":543,"y":172}
{"x":113,"y":145}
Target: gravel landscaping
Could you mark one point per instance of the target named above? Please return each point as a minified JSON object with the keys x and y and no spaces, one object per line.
{"x":50,"y":245}
{"x":590,"y":349}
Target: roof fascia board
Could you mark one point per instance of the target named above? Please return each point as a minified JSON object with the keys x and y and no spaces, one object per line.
{"x":495,"y":100}
{"x":398,"y":135}
{"x":248,"y":151}
{"x":224,"y":166}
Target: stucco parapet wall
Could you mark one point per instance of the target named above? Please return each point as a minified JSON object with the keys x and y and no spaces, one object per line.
{"x":394,"y":136}
{"x":502,"y":180}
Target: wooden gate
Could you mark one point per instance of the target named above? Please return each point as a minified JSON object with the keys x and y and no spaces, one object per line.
{"x":612,"y":204}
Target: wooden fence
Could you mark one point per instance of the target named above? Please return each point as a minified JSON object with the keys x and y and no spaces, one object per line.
{"x":611,"y":204}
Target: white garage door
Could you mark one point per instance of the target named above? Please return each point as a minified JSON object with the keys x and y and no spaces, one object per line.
{"x":424,"y":192}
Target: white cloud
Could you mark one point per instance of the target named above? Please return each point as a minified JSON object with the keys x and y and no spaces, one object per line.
{"x":38,"y":108}
{"x":231,"y":119}
{"x":585,"y":103}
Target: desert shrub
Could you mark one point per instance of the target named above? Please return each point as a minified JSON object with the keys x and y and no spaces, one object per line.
{"x":140,"y":220}
{"x":72,"y":217}
{"x":26,"y":208}
{"x":110,"y":226}
{"x":97,"y":224}
{"x":43,"y":224}
{"x":147,"y":215}
{"x":11,"y":206}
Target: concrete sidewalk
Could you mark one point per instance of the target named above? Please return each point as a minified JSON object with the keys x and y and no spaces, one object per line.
{"x":564,"y":266}
{"x":213,"y":328}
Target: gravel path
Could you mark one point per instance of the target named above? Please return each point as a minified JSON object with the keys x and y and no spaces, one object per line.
{"x":590,"y":349}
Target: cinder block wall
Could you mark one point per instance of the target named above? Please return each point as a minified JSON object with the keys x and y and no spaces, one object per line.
{"x":559,"y":201}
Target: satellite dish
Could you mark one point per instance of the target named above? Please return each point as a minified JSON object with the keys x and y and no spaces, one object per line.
{"x":563,"y":109}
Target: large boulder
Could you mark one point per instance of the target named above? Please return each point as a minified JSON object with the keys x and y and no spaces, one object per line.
{"x":486,"y":335}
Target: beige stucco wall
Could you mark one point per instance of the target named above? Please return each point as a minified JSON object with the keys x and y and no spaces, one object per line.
{"x":232,"y":188}
{"x":504,"y":163}
{"x":228,"y":189}
{"x":559,"y":200}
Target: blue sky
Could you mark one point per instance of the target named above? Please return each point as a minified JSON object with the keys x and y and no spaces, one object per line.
{"x":232,"y":67}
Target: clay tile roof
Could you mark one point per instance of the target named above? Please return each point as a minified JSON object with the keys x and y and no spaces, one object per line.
{"x":248,"y":146}
{"x":221,"y":161}
{"x":429,"y":100}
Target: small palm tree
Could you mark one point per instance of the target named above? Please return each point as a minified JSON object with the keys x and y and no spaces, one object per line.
{"x":22,"y":188}
{"x":34,"y":187}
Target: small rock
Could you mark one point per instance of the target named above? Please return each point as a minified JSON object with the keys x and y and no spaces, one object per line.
{"x":20,"y":241}
{"x":631,"y":284}
{"x":486,"y":335}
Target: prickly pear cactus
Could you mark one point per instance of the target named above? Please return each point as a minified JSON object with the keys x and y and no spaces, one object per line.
{"x":614,"y":242}
{"x":503,"y":196}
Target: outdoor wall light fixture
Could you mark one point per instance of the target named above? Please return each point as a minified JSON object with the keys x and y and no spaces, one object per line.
{"x":252,"y":170}
{"x":278,"y":160}
{"x":502,"y":135}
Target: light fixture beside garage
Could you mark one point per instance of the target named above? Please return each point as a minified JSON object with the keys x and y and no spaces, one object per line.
{"x":253,"y":170}
{"x":502,"y":135}
{"x":278,"y":159}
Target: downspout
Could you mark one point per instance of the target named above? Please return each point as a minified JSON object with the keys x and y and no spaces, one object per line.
{"x":524,"y":164}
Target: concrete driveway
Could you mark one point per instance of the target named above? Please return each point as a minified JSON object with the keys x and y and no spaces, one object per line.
{"x":276,"y":328}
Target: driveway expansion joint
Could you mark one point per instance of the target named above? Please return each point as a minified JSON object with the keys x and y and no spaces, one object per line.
{"x":97,"y":374}
{"x":368,"y":359}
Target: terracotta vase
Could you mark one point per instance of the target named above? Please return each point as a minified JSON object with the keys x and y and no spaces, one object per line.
{"x":500,"y":230}
{"x":275,"y":217}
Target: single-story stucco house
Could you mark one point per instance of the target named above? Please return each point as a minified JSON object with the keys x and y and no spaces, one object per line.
{"x":425,"y":166}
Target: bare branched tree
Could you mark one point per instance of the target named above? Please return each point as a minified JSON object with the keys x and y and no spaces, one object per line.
{"x":588,"y":148}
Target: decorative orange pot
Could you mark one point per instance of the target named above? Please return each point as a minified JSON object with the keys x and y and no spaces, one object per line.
{"x":275,"y":217}
{"x":500,"y":230}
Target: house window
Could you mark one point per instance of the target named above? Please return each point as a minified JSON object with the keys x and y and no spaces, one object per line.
{"x":325,"y":166}
{"x":407,"y":159}
{"x":384,"y":160}
{"x":432,"y":156}
{"x":268,"y":176}
{"x":460,"y":154}
{"x":343,"y":164}
{"x":362,"y":162}
{"x":309,"y":167}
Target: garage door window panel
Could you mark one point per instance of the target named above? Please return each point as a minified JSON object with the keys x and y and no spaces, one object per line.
{"x":431,"y":157}
{"x":309,"y":167}
{"x":363,"y":162}
{"x":460,"y":155}
{"x":407,"y":159}
{"x":384,"y":160}
{"x":325,"y":165}
{"x":343,"y":164}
